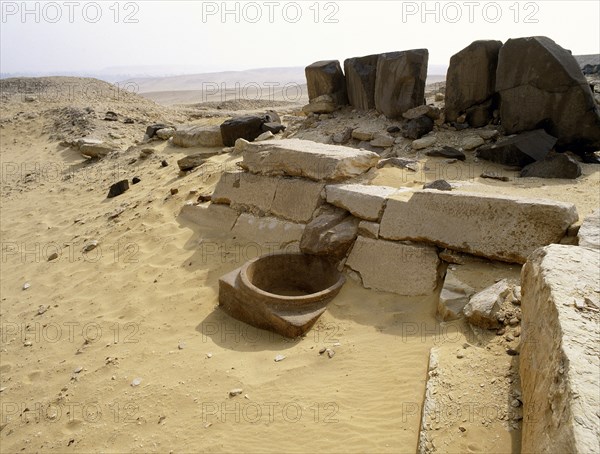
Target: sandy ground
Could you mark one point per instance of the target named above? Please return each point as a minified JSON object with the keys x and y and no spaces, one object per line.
{"x":122,"y":348}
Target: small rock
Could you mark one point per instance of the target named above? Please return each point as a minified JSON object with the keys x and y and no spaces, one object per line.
{"x":430,"y":111}
{"x":136,"y":381}
{"x":174,"y":191}
{"x":462,"y":429}
{"x":235,"y":392}
{"x":164,"y":163}
{"x":191,"y":162}
{"x":90,"y":246}
{"x":553,"y":166}
{"x":424,"y":142}
{"x":440,"y":185}
{"x":494,"y":176}
{"x":26,"y":285}
{"x":512,"y":352}
{"x":118,"y":189}
{"x":322,"y":350}
{"x":28,"y":343}
{"x":53,"y":256}
{"x":362,"y":134}
{"x":382,"y":140}
{"x":447,"y":152}
{"x":399,"y":162}
{"x":135,"y":180}
{"x":110,"y":116}
{"x":128,"y":121}
{"x":264,"y":136}
{"x":487,"y":134}
{"x":330,"y":353}
{"x":165,"y":133}
{"x":417,"y":128}
{"x":279,"y":358}
{"x":343,"y":136}
{"x":471,"y":143}
{"x":181,"y":345}
{"x":509,"y":337}
{"x":440,"y":97}
{"x":42,"y":309}
{"x":77,"y":370}
{"x":501,"y":331}
{"x":393,"y":129}
{"x":460,"y":355}
{"x":209,"y":355}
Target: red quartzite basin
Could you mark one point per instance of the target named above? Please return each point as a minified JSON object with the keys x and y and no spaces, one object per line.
{"x":285,"y":293}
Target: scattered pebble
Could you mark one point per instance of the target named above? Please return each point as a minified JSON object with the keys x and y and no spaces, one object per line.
{"x":512,"y":352}
{"x":26,"y":285}
{"x":53,"y":256}
{"x":207,"y":425}
{"x":181,"y":345}
{"x":279,"y":358}
{"x":323,"y":350}
{"x":235,"y":392}
{"x":28,"y":343}
{"x":209,"y":355}
{"x":42,"y":309}
{"x":136,"y":381}
{"x":462,"y":429}
{"x":77,"y":370}
{"x":2,"y":389}
{"x":460,"y":355}
{"x":174,"y":191}
{"x":164,"y":163}
{"x":90,"y":246}
{"x":330,"y":353}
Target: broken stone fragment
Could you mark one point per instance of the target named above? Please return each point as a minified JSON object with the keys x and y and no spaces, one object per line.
{"x":482,"y":309}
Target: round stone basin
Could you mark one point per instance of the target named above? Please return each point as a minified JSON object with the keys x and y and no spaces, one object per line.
{"x":292,"y":281}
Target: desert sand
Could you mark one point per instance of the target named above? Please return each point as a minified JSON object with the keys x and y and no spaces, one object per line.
{"x":122,"y":348}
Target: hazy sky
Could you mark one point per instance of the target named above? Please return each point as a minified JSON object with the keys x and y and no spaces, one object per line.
{"x":59,"y":37}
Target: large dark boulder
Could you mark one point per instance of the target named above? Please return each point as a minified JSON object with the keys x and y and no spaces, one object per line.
{"x":360,"y":81}
{"x":326,"y":78}
{"x":520,"y":150}
{"x":418,"y":127}
{"x":400,"y":81}
{"x":471,"y":82}
{"x":541,"y":86}
{"x":554,"y":166}
{"x":248,"y":127}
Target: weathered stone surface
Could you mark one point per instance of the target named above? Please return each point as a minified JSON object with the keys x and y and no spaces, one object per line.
{"x":324,"y":104}
{"x":192,"y":161}
{"x":246,"y":190}
{"x":368,"y":229}
{"x":273,"y":127}
{"x":417,"y":128}
{"x":519,"y":150}
{"x":560,"y":353}
{"x":268,"y":231}
{"x":471,"y":81}
{"x":326,"y":78}
{"x":330,"y":233}
{"x":198,"y":136}
{"x":293,"y":199}
{"x":210,"y":215}
{"x":541,"y":85}
{"x":166,"y":133}
{"x":363,"y":201}
{"x":295,"y":157}
{"x":151,"y":130}
{"x":400,"y":81}
{"x":497,"y":227}
{"x":360,"y":81}
{"x":296,"y":199}
{"x":343,"y":137}
{"x":405,"y":269}
{"x":481,"y":114}
{"x":453,"y":298}
{"x":402,"y":163}
{"x":589,"y":232}
{"x":482,"y":308}
{"x":247,"y":127}
{"x":554,"y":166}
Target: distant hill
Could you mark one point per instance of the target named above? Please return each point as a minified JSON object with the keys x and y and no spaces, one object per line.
{"x":592,"y":59}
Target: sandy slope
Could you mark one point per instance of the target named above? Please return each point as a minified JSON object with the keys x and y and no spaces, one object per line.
{"x":142,"y":305}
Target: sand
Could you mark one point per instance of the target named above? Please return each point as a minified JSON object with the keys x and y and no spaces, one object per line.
{"x":141,"y":308}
